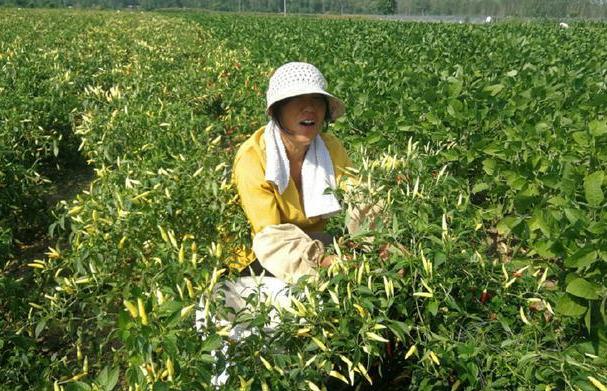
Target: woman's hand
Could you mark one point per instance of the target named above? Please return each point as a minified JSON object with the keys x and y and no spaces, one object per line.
{"x":327,"y":260}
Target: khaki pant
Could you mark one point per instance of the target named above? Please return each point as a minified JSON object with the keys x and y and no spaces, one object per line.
{"x":268,"y":290}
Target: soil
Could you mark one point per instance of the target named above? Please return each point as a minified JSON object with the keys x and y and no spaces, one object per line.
{"x":66,"y":184}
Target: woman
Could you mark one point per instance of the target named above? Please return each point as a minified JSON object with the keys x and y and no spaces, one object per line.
{"x":283,"y":171}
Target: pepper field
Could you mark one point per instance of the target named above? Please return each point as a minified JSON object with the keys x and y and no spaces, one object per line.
{"x":486,"y":143}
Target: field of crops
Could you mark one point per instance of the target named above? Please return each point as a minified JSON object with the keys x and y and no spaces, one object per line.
{"x":487,"y":144}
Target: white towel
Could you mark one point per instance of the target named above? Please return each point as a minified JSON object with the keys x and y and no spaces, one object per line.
{"x":316,"y":173}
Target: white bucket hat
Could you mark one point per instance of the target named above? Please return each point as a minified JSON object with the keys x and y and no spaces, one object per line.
{"x":300,"y":78}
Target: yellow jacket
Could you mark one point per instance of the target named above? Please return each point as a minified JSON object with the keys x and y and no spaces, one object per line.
{"x":260,"y":200}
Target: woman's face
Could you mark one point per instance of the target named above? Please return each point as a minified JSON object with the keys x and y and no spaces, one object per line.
{"x":303,"y":117}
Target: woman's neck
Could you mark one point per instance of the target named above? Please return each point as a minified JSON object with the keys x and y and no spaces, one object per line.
{"x":295,"y":152}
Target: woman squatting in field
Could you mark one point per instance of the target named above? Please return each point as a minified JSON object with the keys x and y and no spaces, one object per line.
{"x":283,"y":172}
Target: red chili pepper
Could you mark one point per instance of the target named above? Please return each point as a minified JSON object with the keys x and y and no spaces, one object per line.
{"x":485,"y":296}
{"x":389,"y":350}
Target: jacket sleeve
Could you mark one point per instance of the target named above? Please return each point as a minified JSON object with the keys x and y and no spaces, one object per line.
{"x":287,"y":252}
{"x":257,"y":196}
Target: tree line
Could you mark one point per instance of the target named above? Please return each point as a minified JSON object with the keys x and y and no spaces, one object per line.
{"x":497,"y":8}
{"x":506,"y":8}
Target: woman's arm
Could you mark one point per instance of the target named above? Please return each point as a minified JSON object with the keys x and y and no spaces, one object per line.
{"x":257,"y":197}
{"x":288,"y":252}
{"x":283,"y":249}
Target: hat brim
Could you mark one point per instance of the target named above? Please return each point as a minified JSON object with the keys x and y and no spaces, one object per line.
{"x":337,"y":108}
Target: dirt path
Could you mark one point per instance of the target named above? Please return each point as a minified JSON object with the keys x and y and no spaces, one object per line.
{"x":65,"y":186}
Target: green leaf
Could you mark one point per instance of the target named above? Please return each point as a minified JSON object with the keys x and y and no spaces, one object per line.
{"x":207,"y":359}
{"x":108,"y":378}
{"x":598,"y":128}
{"x":213,"y":342}
{"x":454,"y":108}
{"x":479,"y":187}
{"x":569,"y":180}
{"x":514,"y":179}
{"x":557,"y":201}
{"x":592,"y":188}
{"x":455,"y":87}
{"x":433,"y":119}
{"x":505,"y":322}
{"x":494,"y":148}
{"x":494,"y":89}
{"x":507,"y":224}
{"x":543,"y":248}
{"x":587,"y":318}
{"x":537,"y":221}
{"x":598,"y":228}
{"x":582,"y":288}
{"x":400,"y":329}
{"x":570,"y":277}
{"x":568,"y":306}
{"x":582,"y":258}
{"x":575,"y":215}
{"x":170,"y":307}
{"x":134,"y":376}
{"x":581,"y":138}
{"x":39,"y":327}
{"x":450,"y":155}
{"x":169,"y":342}
{"x":77,"y":386}
{"x":542,"y":127}
{"x":489,"y":166}
{"x":374,"y":138}
{"x":552,"y":181}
